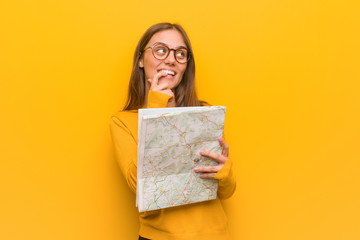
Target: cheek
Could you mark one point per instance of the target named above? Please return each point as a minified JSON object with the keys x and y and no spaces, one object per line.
{"x":182,"y":73}
{"x":150,"y":69}
{"x":180,"y":78}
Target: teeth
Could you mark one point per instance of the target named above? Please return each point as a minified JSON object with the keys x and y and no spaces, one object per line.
{"x":169,"y":72}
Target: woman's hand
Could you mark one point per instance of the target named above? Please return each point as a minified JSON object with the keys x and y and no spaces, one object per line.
{"x":210,"y":171}
{"x":162,"y":87}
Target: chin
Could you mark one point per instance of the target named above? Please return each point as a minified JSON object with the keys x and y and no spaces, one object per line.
{"x":169,"y":81}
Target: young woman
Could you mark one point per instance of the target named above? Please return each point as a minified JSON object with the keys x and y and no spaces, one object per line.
{"x":163,"y":75}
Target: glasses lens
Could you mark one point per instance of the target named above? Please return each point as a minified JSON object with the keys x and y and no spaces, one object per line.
{"x":181,"y":55}
{"x":160,"y":51}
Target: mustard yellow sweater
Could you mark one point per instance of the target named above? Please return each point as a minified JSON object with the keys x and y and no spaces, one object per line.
{"x":204,"y":220}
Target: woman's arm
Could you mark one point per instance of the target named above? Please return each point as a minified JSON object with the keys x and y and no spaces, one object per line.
{"x":123,"y":138}
{"x":223,"y":171}
{"x":125,"y":150}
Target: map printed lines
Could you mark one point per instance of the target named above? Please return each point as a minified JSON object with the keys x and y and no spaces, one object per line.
{"x":170,"y":146}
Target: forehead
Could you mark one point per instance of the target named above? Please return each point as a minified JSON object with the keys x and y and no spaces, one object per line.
{"x":172,"y":38}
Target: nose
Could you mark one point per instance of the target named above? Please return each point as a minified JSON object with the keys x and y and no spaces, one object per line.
{"x":171,"y":57}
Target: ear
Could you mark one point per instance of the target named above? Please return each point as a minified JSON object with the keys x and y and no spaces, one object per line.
{"x":141,"y":63}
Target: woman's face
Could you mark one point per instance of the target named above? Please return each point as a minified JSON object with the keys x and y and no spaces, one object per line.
{"x":173,"y":39}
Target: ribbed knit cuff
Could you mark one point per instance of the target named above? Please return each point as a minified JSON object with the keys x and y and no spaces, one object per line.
{"x":157,"y":99}
{"x":224,"y":171}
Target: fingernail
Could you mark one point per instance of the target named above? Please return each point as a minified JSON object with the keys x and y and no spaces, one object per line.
{"x":202,"y":152}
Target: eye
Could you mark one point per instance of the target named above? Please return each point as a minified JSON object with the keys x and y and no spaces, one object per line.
{"x":160,"y":50}
{"x":181,"y":53}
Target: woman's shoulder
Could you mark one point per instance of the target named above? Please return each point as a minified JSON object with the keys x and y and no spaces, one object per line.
{"x":125,"y":115}
{"x":126,"y":120}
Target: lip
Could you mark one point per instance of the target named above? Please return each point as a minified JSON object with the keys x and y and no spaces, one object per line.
{"x":160,"y":69}
{"x":167,"y":77}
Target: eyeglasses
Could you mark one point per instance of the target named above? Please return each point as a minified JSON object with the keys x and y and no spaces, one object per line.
{"x":160,"y":51}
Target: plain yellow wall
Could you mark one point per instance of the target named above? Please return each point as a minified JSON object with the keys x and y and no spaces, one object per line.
{"x":288,"y":71}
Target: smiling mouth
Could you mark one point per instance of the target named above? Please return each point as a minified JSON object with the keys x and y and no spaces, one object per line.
{"x":169,"y":72}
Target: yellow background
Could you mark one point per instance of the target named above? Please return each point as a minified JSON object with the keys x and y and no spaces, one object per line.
{"x":288,"y":71}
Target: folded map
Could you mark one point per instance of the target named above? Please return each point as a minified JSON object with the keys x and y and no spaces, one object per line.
{"x":169,"y":144}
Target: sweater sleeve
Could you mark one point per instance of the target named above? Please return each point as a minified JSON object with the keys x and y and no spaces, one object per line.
{"x":157,"y":99}
{"x":125,"y":150}
{"x":227,"y":181}
{"x":124,"y":142}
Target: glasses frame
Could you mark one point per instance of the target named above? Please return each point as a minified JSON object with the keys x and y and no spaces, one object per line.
{"x":170,"y":49}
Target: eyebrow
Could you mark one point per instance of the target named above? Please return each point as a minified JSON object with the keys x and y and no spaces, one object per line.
{"x":181,"y":46}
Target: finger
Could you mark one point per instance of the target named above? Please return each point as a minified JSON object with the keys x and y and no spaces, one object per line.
{"x":162,"y":86}
{"x":168,"y":92}
{"x":207,"y":175}
{"x":154,"y":81}
{"x":223,"y":144}
{"x":219,"y":158}
{"x":208,"y":169}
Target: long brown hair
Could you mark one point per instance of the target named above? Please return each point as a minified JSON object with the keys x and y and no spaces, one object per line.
{"x":185,"y":94}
